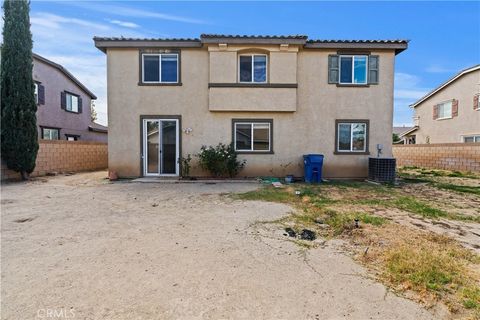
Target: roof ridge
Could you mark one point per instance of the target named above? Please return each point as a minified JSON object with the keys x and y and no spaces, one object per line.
{"x":445,"y":83}
{"x":66,"y":73}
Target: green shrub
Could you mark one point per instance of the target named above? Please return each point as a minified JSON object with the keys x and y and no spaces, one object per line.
{"x":220,"y":161}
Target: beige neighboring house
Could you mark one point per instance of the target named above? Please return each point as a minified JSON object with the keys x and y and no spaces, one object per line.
{"x":449,"y":113}
{"x":275,"y":97}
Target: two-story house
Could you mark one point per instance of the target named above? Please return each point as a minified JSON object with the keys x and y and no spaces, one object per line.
{"x":275,"y":97}
{"x":450,"y":112}
{"x":63,"y":104}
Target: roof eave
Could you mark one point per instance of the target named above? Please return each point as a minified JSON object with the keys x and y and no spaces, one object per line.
{"x":398,"y":47}
{"x":443,"y":85}
{"x":66,"y":73}
{"x":408,"y":132}
{"x":103,"y":44}
{"x":262,"y":41}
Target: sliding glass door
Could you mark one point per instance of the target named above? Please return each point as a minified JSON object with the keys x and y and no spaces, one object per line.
{"x":160,"y":147}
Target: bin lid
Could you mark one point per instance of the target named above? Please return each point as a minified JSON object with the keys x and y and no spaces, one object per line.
{"x":314,"y":157}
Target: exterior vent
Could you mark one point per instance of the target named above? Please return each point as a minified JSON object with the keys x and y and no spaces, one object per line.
{"x":381,"y":169}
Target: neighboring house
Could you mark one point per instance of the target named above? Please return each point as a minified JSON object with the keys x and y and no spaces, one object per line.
{"x":63,"y":104}
{"x":400,"y":132}
{"x":450,"y":112}
{"x":275,"y":97}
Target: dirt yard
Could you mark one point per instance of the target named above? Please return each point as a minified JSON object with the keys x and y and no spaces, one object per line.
{"x":83,"y":248}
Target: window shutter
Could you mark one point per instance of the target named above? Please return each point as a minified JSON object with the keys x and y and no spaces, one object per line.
{"x":63,"y":100}
{"x":435,"y":112}
{"x":475,"y":102}
{"x":41,"y":94}
{"x":373,"y":68}
{"x":454,"y":108}
{"x":333,"y":70}
{"x":80,"y":105}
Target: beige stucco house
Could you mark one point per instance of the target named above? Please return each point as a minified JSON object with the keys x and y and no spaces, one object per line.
{"x":275,"y":97}
{"x":449,"y":113}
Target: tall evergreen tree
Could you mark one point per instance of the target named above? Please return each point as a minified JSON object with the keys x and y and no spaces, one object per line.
{"x":19,"y":123}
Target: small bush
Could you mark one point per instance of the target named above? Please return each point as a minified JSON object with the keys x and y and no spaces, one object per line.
{"x":220,"y":161}
{"x":185,"y":162}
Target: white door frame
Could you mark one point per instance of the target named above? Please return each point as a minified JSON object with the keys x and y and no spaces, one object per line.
{"x":160,"y":157}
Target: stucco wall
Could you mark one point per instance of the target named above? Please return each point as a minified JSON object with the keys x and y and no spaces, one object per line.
{"x":311,"y":129}
{"x":450,"y":130}
{"x":50,"y":114}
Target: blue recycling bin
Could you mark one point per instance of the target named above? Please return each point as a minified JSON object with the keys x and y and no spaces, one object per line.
{"x":313,"y":164}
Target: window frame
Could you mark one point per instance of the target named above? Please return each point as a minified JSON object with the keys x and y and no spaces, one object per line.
{"x":477,"y":108}
{"x":253,"y":67}
{"x":160,"y":82}
{"x":252,"y":122}
{"x":337,"y":136}
{"x":442,"y":104}
{"x":75,"y":137}
{"x":67,"y":94}
{"x":35,"y":92}
{"x":49,"y":128}
{"x":340,"y":56}
{"x":476,"y":138}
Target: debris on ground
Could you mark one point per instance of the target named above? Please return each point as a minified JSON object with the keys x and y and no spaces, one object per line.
{"x":308,"y":235}
{"x":277,"y":184}
{"x":291,"y":232}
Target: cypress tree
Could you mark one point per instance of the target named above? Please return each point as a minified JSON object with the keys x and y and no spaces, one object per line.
{"x":19,"y":123}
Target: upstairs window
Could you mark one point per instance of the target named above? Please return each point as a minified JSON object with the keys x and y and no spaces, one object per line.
{"x":353,"y":69}
{"x":160,"y":68}
{"x":252,"y":68}
{"x":252,"y":136}
{"x":72,"y":102}
{"x":445,"y":110}
{"x":344,"y":69}
{"x":36,"y":92}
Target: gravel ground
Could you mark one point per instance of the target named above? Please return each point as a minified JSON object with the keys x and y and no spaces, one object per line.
{"x":83,"y":248}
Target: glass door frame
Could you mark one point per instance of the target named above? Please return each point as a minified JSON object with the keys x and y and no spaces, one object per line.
{"x":144,"y":146}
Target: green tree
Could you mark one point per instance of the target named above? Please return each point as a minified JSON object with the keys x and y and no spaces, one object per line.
{"x":19,"y":123}
{"x":395,"y":138}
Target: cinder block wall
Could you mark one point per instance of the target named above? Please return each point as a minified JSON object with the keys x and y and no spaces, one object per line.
{"x":447,"y":156}
{"x":65,"y":156}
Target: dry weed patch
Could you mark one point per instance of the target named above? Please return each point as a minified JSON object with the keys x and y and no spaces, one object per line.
{"x":431,"y":266}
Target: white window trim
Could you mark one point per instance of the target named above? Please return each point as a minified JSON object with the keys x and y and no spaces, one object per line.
{"x":159,"y":55}
{"x":353,"y":69}
{"x":36,"y":92}
{"x":478,"y":102}
{"x":475,"y":136}
{"x":253,"y":67}
{"x":351,"y":137}
{"x":251,"y":135}
{"x":451,"y":111}
{"x":67,"y":95}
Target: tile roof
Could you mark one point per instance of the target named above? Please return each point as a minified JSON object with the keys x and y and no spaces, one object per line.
{"x":121,"y":42}
{"x":395,"y":41}
{"x":143,"y":39}
{"x":240,"y":36}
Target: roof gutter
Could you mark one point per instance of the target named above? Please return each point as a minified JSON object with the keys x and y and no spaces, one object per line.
{"x":397,"y":46}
